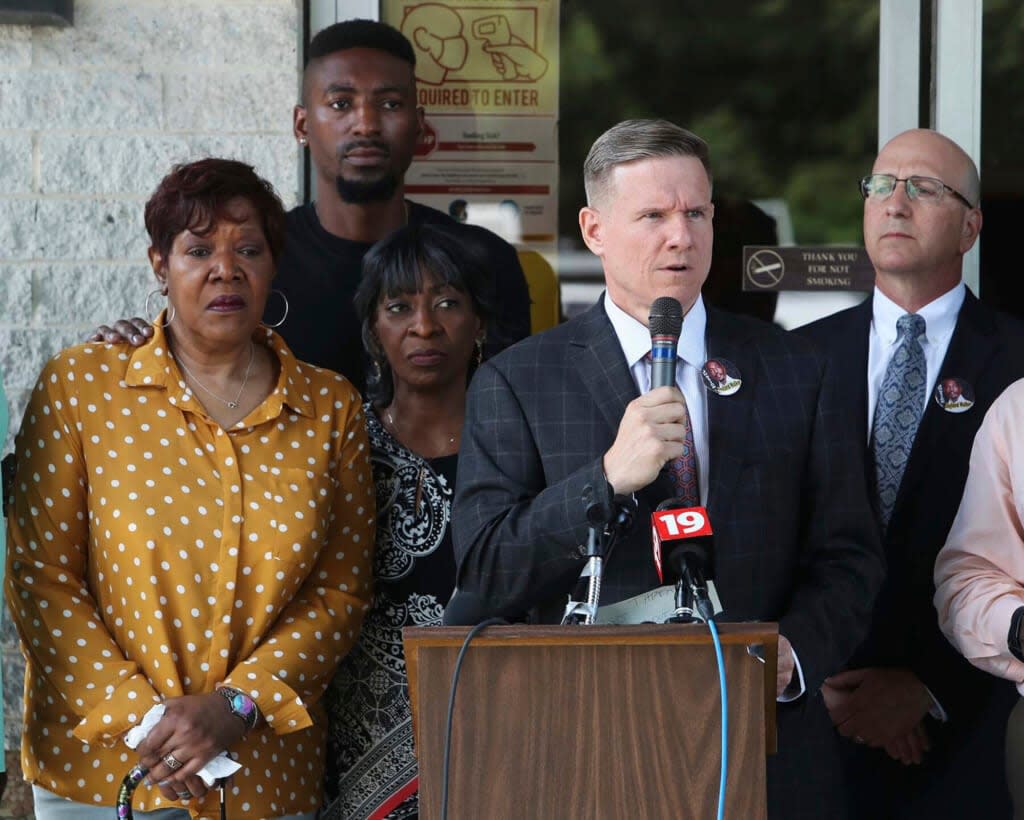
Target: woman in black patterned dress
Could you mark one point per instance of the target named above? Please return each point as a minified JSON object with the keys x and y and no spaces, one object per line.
{"x":423,"y":300}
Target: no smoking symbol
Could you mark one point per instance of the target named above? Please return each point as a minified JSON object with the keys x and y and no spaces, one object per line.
{"x":765,"y":269}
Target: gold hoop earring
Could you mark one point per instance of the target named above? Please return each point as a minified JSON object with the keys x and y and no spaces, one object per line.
{"x":171,"y":313}
{"x":286,"y":309}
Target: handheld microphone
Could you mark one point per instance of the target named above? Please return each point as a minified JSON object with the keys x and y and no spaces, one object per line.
{"x":682,"y":540}
{"x":665,"y":321}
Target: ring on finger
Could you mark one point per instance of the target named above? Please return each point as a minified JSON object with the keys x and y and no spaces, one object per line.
{"x":184,"y":795}
{"x":172,"y":762}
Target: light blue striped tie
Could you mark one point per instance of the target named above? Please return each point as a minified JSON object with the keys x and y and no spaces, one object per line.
{"x":898,"y":412}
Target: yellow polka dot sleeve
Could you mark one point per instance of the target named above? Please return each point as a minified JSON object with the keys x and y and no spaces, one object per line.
{"x":291,"y":668}
{"x":62,"y":629}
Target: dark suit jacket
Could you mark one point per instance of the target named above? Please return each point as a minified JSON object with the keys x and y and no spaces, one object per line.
{"x":794,"y":536}
{"x":986,"y":351}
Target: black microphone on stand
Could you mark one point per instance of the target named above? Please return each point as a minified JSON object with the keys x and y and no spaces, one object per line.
{"x":683,"y":542}
{"x":607,"y":524}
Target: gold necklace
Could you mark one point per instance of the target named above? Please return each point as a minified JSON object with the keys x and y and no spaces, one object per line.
{"x":232,"y":403}
{"x":394,"y":428}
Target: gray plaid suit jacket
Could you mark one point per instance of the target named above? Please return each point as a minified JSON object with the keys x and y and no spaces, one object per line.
{"x":795,"y":539}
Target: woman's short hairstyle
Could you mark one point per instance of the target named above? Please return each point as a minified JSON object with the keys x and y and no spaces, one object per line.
{"x":194,"y":197}
{"x":634,"y":140}
{"x":397,"y":264}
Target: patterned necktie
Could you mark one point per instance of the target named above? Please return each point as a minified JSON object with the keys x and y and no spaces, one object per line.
{"x":898,"y":412}
{"x":683,"y":470}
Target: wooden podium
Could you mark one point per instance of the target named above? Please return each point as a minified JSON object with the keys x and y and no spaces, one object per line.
{"x":592,"y":721}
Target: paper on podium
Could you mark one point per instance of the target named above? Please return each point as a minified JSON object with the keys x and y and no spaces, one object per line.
{"x":655,"y":606}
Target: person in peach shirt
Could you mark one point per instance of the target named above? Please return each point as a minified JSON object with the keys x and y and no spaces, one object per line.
{"x":979,"y":573}
{"x":192,"y":526}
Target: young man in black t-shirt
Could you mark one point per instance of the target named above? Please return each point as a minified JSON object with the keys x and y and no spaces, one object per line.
{"x":360,"y":121}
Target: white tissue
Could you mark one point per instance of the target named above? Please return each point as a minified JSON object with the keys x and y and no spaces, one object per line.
{"x":214,"y":770}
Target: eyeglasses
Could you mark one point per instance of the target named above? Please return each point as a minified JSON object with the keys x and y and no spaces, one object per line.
{"x":925,"y":189}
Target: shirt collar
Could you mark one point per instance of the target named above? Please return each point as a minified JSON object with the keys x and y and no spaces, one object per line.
{"x":939,"y":315}
{"x":635,"y":338}
{"x":151,"y":365}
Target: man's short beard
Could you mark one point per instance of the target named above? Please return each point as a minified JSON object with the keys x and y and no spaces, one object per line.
{"x":357,"y":191}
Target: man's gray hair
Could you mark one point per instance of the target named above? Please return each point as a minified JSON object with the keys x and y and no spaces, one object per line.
{"x":634,"y":140}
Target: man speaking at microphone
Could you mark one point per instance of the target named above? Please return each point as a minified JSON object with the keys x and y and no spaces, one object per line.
{"x":567,"y":417}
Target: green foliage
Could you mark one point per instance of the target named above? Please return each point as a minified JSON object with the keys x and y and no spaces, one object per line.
{"x":1002,"y":116}
{"x":785,"y":92}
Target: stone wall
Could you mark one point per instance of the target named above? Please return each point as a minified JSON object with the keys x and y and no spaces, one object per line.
{"x":91,"y":117}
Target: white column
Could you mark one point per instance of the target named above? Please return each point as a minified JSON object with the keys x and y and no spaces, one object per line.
{"x":958,"y":87}
{"x":899,"y":67}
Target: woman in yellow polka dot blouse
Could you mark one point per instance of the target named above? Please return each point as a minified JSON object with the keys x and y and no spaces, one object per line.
{"x":192,"y":526}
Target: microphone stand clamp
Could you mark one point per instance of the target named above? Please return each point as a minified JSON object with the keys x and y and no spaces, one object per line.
{"x":606,"y":525}
{"x":684,"y":605}
{"x":585,"y":612}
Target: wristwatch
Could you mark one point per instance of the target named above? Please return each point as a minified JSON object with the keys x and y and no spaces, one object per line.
{"x":241,"y":706}
{"x":1013,"y":638}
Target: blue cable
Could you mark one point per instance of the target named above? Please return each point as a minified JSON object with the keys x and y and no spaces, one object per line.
{"x":725,"y":719}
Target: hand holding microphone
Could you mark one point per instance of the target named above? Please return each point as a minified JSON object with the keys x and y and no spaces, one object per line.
{"x":650,"y":435}
{"x":653,"y":427}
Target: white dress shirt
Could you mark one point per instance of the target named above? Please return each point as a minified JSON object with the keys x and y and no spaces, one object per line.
{"x":940,"y":321}
{"x":635,"y":339}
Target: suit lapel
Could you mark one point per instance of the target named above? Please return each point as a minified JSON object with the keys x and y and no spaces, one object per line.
{"x":597,"y":356}
{"x":729,"y":425}
{"x":849,"y":357}
{"x":974,"y":342}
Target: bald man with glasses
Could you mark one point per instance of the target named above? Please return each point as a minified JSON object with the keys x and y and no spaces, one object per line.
{"x":922,"y":730}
